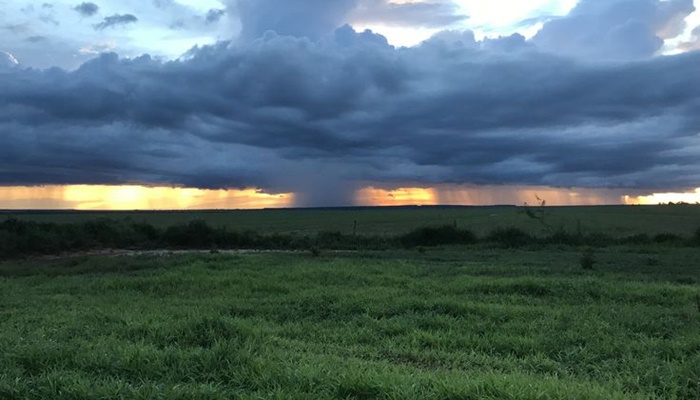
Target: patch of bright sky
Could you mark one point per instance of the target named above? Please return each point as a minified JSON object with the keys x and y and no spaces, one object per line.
{"x":663,"y":198}
{"x":399,"y":36}
{"x":490,"y":18}
{"x":693,"y":21}
{"x":154,"y":33}
{"x":202,"y":5}
{"x":160,"y":41}
{"x":486,"y":18}
{"x":504,"y":17}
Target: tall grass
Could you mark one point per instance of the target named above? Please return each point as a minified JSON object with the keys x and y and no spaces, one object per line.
{"x":483,"y":324}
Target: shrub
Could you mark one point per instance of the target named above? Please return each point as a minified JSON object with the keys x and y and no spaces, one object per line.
{"x":8,"y":244}
{"x":246,"y":239}
{"x":15,"y":226}
{"x":587,"y":260}
{"x":315,"y":252}
{"x":436,"y":236}
{"x":598,"y":240}
{"x":667,"y":238}
{"x":330,"y":240}
{"x":637,"y":239}
{"x":510,"y":237}
{"x":563,"y":237}
{"x":196,"y":234}
{"x":276,"y":241}
{"x":145,"y":233}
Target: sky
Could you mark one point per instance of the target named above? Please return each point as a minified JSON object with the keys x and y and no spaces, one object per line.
{"x":279,"y":103}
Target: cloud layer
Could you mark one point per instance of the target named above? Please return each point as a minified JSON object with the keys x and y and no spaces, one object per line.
{"x":328,"y":115}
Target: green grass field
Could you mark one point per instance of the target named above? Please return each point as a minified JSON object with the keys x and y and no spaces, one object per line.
{"x":453,"y":323}
{"x":613,"y":220}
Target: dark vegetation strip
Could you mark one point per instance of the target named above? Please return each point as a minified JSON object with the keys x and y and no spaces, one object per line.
{"x":23,"y":238}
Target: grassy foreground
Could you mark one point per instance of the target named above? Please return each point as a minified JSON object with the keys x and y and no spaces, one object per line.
{"x":471,"y":323}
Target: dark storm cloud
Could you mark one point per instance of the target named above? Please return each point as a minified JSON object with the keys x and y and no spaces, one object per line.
{"x":617,"y":29}
{"x":214,"y":15}
{"x":347,"y":36}
{"x":116,"y":20}
{"x":325,"y":116}
{"x":310,"y":18}
{"x":87,"y":9}
{"x":283,"y":113}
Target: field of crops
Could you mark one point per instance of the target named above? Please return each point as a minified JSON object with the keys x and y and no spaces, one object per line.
{"x":448,"y":323}
{"x":611,"y":220}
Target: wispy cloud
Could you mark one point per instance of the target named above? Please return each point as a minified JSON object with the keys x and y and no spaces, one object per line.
{"x":87,"y":9}
{"x":116,"y":20}
{"x":214,"y":15}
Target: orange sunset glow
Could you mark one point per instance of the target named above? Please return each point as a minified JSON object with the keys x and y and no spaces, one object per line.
{"x":399,"y":197}
{"x":485,"y":195}
{"x":132,"y":197}
{"x":135,"y":197}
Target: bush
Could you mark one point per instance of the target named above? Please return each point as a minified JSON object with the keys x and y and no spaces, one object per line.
{"x":510,"y":237}
{"x":599,"y":240}
{"x":106,"y":233}
{"x":587,"y":260}
{"x":8,"y":244}
{"x":196,"y":234}
{"x":333,"y":240}
{"x":637,"y":239}
{"x":436,"y":236}
{"x":667,"y":238}
{"x":315,"y":252}
{"x":145,"y":233}
{"x":246,"y":239}
{"x":563,"y":237}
